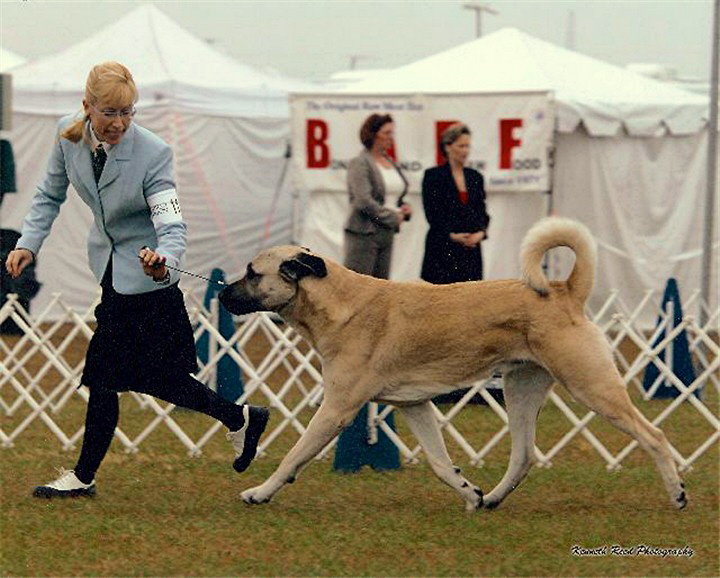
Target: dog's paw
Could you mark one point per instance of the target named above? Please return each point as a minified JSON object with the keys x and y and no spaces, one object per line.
{"x":490,"y":503}
{"x":678,"y":497}
{"x":474,"y":501}
{"x":681,"y":501}
{"x":480,"y":500}
{"x":253,"y":496}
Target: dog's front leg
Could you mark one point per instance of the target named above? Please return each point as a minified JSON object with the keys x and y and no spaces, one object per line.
{"x":327,"y":423}
{"x":423,"y":424}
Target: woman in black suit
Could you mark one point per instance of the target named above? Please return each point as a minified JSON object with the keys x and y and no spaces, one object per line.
{"x":454,"y":202}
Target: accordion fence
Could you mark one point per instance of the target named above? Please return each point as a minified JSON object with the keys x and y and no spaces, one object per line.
{"x":41,"y":369}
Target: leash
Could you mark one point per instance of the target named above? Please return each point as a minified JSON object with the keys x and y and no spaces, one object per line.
{"x":218,"y":283}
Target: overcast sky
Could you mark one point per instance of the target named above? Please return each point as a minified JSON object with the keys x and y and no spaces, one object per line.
{"x":313,"y":39}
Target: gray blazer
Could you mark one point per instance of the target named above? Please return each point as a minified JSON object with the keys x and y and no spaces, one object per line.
{"x":367,"y":197}
{"x":137,"y":168}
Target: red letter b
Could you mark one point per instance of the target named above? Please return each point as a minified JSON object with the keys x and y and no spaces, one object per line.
{"x":318,"y":153}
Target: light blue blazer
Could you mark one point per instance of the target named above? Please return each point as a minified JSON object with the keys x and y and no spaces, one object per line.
{"x":137,"y":168}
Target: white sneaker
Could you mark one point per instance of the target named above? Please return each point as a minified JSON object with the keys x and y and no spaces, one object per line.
{"x":67,"y":485}
{"x":245,"y":440}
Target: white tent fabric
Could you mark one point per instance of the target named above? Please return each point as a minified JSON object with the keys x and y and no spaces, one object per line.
{"x":629,"y":162}
{"x":170,"y":64}
{"x":228,"y":126}
{"x":9,"y":59}
{"x":646,"y":212}
{"x":603,"y":97}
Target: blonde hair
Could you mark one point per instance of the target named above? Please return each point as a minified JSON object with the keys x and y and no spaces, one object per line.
{"x":451,"y":134}
{"x":110,"y":83}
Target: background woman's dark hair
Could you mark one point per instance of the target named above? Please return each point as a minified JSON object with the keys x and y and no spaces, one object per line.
{"x":371,"y":127}
{"x":451,"y":134}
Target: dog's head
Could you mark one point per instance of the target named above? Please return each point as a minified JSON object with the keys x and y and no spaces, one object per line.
{"x":271,"y":280}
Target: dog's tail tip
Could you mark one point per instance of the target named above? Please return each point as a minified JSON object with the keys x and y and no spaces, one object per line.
{"x":554,"y":232}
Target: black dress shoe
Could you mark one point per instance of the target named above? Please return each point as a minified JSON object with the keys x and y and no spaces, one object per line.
{"x":245,"y":440}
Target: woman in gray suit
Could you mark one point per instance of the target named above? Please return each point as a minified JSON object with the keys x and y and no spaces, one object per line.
{"x":376,"y":187}
{"x":143,"y":341}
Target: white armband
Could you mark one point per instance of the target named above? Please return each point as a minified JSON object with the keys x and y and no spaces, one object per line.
{"x":164,"y":207}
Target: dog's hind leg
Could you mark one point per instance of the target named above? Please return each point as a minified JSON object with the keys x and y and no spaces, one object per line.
{"x":613,"y":403}
{"x":525,"y":389}
{"x":593,"y":380}
{"x":328,"y":422}
{"x":422,"y":422}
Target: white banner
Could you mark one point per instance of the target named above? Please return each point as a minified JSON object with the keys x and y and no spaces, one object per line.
{"x":512,"y":135}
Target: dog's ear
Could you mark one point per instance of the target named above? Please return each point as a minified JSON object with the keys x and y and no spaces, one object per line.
{"x":302,"y":266}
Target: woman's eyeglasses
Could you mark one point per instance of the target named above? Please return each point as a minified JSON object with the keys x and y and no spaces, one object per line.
{"x":125,"y":113}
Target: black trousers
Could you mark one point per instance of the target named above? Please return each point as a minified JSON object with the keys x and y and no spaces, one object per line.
{"x":143,"y":343}
{"x":103,"y":412}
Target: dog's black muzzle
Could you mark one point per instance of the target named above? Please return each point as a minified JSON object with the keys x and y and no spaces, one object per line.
{"x":237,"y":301}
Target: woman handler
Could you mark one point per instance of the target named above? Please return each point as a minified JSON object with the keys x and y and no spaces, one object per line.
{"x":144,"y":340}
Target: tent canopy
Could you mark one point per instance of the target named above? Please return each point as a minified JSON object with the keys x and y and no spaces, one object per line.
{"x":9,"y":59}
{"x":602,"y":97}
{"x":169,"y":65}
{"x":226,"y":123}
{"x":629,"y":157}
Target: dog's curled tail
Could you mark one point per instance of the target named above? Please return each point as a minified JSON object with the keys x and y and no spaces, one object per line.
{"x":555,"y":232}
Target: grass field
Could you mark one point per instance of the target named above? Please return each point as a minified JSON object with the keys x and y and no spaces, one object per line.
{"x":162,"y":513}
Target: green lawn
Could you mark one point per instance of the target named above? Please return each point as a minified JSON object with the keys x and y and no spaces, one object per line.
{"x":162,"y":513}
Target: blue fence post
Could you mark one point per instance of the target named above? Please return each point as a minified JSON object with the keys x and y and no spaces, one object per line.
{"x":679,"y":359}
{"x":229,"y":377}
{"x":354,"y":449}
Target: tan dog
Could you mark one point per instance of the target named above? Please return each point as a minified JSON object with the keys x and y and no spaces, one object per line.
{"x":404,"y":343}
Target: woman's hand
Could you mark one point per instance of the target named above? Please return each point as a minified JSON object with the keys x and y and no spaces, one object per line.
{"x":461,"y":239}
{"x":403,"y":213}
{"x":17,"y":260}
{"x":153,"y":264}
{"x":473,"y":239}
{"x":468,"y":240}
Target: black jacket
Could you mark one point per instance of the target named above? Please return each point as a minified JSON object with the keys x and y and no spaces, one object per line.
{"x":446,"y":261}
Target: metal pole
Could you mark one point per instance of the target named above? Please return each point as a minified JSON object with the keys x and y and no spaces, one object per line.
{"x":570,"y":32}
{"x":212,"y":382}
{"x":479,"y":8}
{"x":707,"y":261}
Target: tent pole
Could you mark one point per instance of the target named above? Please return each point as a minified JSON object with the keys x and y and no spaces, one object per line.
{"x":551,"y":178}
{"x":548,"y":264}
{"x":295,"y":208}
{"x":707,"y":261}
{"x":295,"y":216}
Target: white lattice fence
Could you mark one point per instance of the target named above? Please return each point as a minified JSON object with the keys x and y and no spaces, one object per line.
{"x":41,"y":368}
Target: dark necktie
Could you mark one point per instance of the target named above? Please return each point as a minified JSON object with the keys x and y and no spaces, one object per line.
{"x":98,"y":162}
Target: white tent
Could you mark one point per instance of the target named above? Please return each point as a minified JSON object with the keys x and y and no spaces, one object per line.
{"x":227,"y":123}
{"x":629,"y":157}
{"x":9,"y":59}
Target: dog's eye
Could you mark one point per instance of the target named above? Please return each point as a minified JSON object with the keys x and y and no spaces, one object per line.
{"x":250,"y":274}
